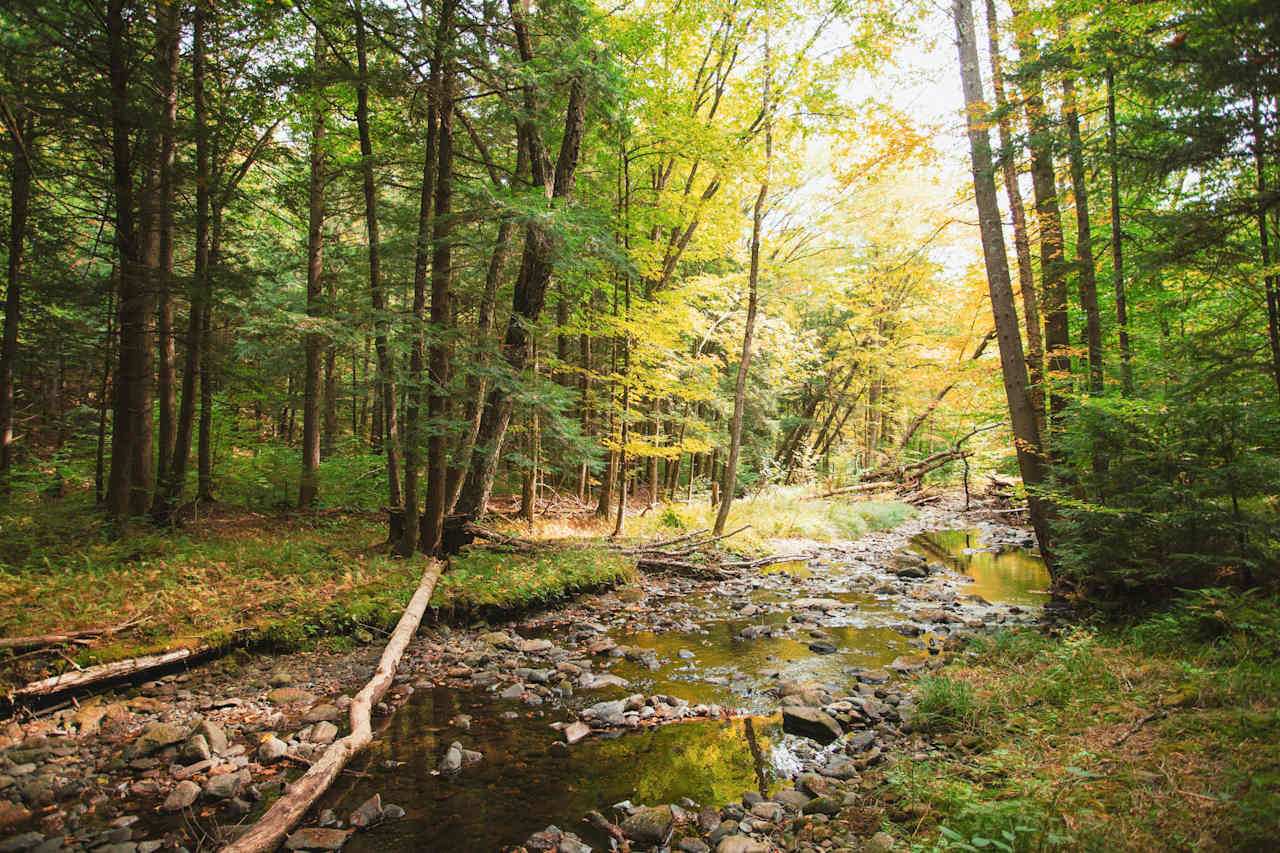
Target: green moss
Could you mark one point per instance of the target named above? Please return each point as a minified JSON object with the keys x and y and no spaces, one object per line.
{"x":504,"y":579}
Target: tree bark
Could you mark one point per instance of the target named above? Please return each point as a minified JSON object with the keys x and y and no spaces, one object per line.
{"x":1018,"y":212}
{"x":309,"y":489}
{"x":19,"y":205}
{"x":441,"y":283}
{"x":168,"y":23}
{"x":753,"y":278}
{"x":130,"y":389}
{"x":385,"y":381}
{"x":1012,"y":362}
{"x":536,"y":268}
{"x":1117,"y":239}
{"x":177,"y":472}
{"x":1269,"y":279}
{"x":1087,"y":279}
{"x":1049,"y":220}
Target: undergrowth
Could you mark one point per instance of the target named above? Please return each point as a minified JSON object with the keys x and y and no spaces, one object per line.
{"x":1160,"y":736}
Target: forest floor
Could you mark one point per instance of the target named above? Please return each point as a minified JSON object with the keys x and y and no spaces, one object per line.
{"x":1163,"y":736}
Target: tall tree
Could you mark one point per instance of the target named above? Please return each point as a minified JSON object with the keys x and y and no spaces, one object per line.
{"x":753,"y":278}
{"x":308,"y":489}
{"x":1117,"y":237}
{"x":20,"y":182}
{"x":1012,"y":362}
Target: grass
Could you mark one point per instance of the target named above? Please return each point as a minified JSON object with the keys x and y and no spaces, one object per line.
{"x":1103,"y":739}
{"x":503,"y":580}
{"x":235,"y":576}
{"x":777,"y":512}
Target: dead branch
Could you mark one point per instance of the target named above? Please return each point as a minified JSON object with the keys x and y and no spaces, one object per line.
{"x":609,"y":828}
{"x":69,"y":636}
{"x":284,"y":814}
{"x":861,"y":487}
{"x":104,"y":672}
{"x":1138,"y":724}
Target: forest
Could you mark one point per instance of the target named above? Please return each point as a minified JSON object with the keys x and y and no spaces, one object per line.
{"x":492,"y":356}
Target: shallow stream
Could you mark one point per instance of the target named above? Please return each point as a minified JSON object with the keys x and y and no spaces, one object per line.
{"x":529,"y":778}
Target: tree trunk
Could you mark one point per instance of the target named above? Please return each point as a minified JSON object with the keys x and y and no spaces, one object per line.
{"x":1052,"y":259}
{"x":536,"y":267}
{"x":1017,"y":210}
{"x":1117,"y":239}
{"x":130,"y":389}
{"x":1087,"y":280}
{"x":168,"y":23}
{"x":1012,"y":363}
{"x":1269,"y":278}
{"x":204,"y":462}
{"x":19,"y":205}
{"x":441,"y":282}
{"x":385,"y":382}
{"x":309,"y":489}
{"x":176,"y":474}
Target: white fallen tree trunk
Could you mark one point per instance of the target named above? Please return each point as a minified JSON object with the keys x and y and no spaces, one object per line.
{"x":286,"y":812}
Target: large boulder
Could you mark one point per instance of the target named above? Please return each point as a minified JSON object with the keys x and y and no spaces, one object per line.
{"x":812,"y":723}
{"x":649,"y":825}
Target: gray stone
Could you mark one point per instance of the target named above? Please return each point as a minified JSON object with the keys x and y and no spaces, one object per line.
{"x":791,"y":799}
{"x":392,"y":812}
{"x":213,"y":735}
{"x":313,"y":838}
{"x":575,"y":732}
{"x":289,"y":696}
{"x":861,"y":742}
{"x":280,"y":678}
{"x":649,"y":825}
{"x":224,"y":786}
{"x":182,"y":796}
{"x":156,"y":737}
{"x":741,"y":844}
{"x":823,"y":647}
{"x":811,"y":723}
{"x":693,"y":845}
{"x":323,"y":712}
{"x":708,"y":820}
{"x":452,"y":758}
{"x":272,"y":750}
{"x":324,"y":732}
{"x":771,"y":812}
{"x":196,"y":749}
{"x":881,"y":842}
{"x":369,"y":813}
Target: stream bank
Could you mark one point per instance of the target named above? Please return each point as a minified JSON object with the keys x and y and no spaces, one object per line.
{"x":601,"y":672}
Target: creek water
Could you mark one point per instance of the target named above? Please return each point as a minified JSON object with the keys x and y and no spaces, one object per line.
{"x":529,"y":779}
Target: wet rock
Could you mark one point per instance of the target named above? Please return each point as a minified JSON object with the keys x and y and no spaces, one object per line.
{"x":535,"y":646}
{"x":280,"y":678}
{"x":693,"y":845}
{"x":791,"y":799}
{"x":392,"y":812}
{"x":814,"y":784}
{"x":182,"y":796}
{"x":907,"y":629}
{"x":754,"y":632}
{"x":823,"y":604}
{"x":649,"y":825}
{"x":909,"y":663}
{"x":513,"y":692}
{"x":314,"y":838}
{"x":771,"y":812}
{"x":452,"y":760}
{"x":369,"y":813}
{"x":811,"y":723}
{"x":272,"y":750}
{"x":575,"y":732}
{"x":741,"y":844}
{"x":685,"y":654}
{"x":708,"y":820}
{"x":11,"y":814}
{"x":156,"y":737}
{"x":861,"y":742}
{"x":823,"y":647}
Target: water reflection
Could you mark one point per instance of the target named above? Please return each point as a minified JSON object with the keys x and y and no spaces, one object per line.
{"x":1010,"y":575}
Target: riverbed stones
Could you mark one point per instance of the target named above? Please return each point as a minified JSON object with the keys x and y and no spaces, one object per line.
{"x":21,"y":843}
{"x":828,"y":805}
{"x":881,"y":842}
{"x":324,"y":712}
{"x":823,"y":647}
{"x":272,"y":750}
{"x":224,"y":786}
{"x":649,"y":825}
{"x":324,"y":733}
{"x":317,"y":839}
{"x":156,"y":737}
{"x":182,"y":796}
{"x":452,"y":760}
{"x":369,"y":813}
{"x":575,"y":732}
{"x":289,"y":696}
{"x":811,"y":723}
{"x":741,"y":844}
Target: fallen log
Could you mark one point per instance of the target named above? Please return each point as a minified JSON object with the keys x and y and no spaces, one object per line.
{"x":104,"y":672}
{"x":766,"y":561}
{"x":37,"y":641}
{"x":861,"y":487}
{"x":285,"y":813}
{"x":681,"y":567}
